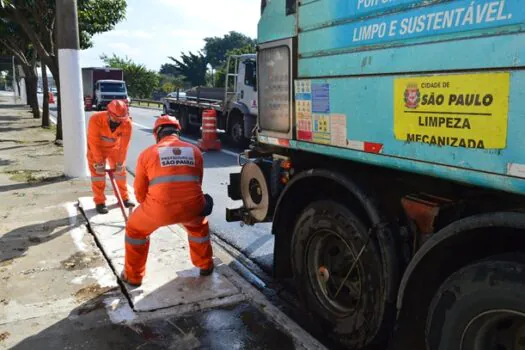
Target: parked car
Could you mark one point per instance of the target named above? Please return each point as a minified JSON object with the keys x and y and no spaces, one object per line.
{"x":182,"y":95}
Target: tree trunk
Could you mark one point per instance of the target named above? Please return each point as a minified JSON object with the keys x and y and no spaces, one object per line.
{"x":45,"y":90}
{"x":59,"y":112}
{"x":31,"y":86}
{"x":53,"y":68}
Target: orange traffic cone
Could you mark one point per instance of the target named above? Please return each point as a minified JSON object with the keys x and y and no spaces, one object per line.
{"x":88,"y":103}
{"x":209,"y":140}
{"x":51,"y":97}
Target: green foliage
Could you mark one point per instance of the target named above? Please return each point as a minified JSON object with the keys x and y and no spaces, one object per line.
{"x":168,"y":82}
{"x":192,"y":67}
{"x":169,"y":69}
{"x":141,"y":82}
{"x":217,"y":48}
{"x":168,"y":87}
{"x":98,"y":16}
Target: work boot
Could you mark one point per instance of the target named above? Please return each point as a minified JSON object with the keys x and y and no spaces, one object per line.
{"x":206,"y":272}
{"x":128,"y":204}
{"x":127,"y":281}
{"x":102,"y":209}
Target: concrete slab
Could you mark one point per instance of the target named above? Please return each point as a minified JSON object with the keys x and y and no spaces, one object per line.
{"x":50,"y":270}
{"x":236,"y":326}
{"x":170,"y":279}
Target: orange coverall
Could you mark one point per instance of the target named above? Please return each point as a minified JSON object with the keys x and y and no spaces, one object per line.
{"x":104,"y":145}
{"x":167,"y":185}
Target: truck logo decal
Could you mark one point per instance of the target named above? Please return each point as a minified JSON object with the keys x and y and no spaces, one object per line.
{"x":456,"y":110}
{"x":412,"y":96}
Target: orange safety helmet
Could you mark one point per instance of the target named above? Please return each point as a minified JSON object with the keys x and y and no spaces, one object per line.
{"x":118,"y":110}
{"x":165,"y":120}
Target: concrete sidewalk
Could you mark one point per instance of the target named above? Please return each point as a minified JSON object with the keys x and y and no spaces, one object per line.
{"x":58,"y":274}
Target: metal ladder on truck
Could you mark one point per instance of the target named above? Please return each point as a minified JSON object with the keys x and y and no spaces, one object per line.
{"x":230,"y":88}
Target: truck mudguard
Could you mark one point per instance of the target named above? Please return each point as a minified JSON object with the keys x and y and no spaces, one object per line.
{"x":511,"y":220}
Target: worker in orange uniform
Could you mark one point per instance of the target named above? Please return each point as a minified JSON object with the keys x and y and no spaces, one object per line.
{"x":168,"y":187}
{"x":109,"y":133}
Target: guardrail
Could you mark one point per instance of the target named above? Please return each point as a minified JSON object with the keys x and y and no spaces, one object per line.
{"x":148,"y":103}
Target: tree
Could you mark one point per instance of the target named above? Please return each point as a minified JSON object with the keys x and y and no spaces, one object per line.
{"x":169,"y":69}
{"x":141,"y":81}
{"x":193,"y":67}
{"x":37,"y":19}
{"x":14,"y":41}
{"x":45,"y":91}
{"x":216,"y":48}
{"x":177,"y":82}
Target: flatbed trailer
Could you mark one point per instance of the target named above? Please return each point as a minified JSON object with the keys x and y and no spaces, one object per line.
{"x":388,"y":156}
{"x":236,"y":106}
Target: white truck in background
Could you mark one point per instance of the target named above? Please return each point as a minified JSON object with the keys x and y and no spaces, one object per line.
{"x":236,"y":104}
{"x":102,"y":85}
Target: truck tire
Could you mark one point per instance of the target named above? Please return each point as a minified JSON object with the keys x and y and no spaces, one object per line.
{"x":326,"y":240}
{"x":481,"y":306}
{"x":236,"y":131}
{"x":185,"y":121}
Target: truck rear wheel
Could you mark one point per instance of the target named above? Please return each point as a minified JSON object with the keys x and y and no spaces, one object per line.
{"x":236,"y":131}
{"x":338,"y":273}
{"x":481,"y":307}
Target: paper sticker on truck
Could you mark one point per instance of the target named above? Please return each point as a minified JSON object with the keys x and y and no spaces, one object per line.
{"x":467,"y":110}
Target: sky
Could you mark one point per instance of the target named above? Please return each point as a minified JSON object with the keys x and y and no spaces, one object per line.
{"x":156,"y":29}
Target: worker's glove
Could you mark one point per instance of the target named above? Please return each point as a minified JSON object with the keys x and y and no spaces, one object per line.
{"x":100,"y":168}
{"x":119,"y":167}
{"x":208,"y":205}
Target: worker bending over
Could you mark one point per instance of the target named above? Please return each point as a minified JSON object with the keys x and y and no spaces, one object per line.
{"x":167,"y":185}
{"x":109,"y":133}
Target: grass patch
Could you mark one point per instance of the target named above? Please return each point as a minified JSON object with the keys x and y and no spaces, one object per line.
{"x":151,"y":105}
{"x":23,"y":176}
{"x":31,"y":176}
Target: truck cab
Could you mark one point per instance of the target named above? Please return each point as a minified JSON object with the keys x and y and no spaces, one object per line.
{"x":241,"y":96}
{"x":106,"y":91}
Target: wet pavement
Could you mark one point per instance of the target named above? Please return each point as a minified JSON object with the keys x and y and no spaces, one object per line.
{"x":239,"y":326}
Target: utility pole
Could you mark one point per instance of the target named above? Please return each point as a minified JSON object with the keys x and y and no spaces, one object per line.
{"x":71,"y":96}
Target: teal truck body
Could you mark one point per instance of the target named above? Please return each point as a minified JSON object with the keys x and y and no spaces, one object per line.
{"x":389,"y":156}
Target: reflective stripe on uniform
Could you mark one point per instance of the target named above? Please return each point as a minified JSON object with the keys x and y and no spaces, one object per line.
{"x":136,"y":241}
{"x":174,"y":178}
{"x":120,"y":177}
{"x":98,"y":178}
{"x":107,"y":139}
{"x":199,"y":239}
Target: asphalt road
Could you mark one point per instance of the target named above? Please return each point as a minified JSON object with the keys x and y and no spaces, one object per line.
{"x":255,"y":242}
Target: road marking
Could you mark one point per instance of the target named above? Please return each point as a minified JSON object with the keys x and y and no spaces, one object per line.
{"x":142,"y":126}
{"x":196,"y":143}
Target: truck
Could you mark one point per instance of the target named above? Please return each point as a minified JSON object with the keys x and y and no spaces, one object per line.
{"x":102,"y":85}
{"x":236,"y":104}
{"x":388,"y":156}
